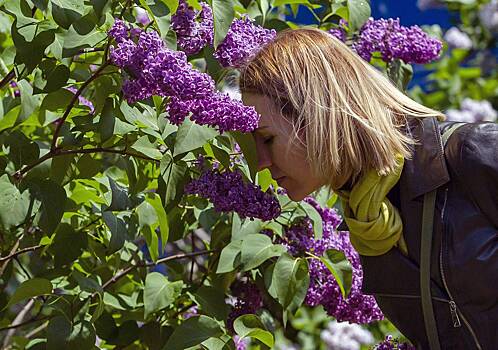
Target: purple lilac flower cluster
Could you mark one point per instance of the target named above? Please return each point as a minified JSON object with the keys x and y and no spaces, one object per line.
{"x":394,"y":41}
{"x":154,"y":69}
{"x":242,"y":42}
{"x":248,"y":300}
{"x":323,"y":289}
{"x":194,"y":29}
{"x":228,"y":192}
{"x":219,"y":110}
{"x":82,"y":101}
{"x":392,"y":344}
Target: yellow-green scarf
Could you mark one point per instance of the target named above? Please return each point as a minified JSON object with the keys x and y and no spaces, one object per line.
{"x":375,"y":225}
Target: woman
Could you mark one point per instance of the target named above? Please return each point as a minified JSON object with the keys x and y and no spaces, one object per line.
{"x":328,"y":118}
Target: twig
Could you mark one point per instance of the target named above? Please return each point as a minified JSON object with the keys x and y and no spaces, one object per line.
{"x":59,"y":152}
{"x":12,"y":251}
{"x":71,"y":104}
{"x":25,"y":323}
{"x":130,"y":268}
{"x":6,"y":79}
{"x":17,"y":321}
{"x":20,"y":251}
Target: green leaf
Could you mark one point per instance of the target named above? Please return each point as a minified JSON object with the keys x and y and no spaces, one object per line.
{"x":146,"y":214}
{"x":154,"y":200}
{"x":173,"y":174}
{"x":276,"y":3}
{"x":68,"y":244}
{"x":341,"y":269}
{"x":53,"y":200}
{"x":400,"y":73}
{"x":248,"y":147}
{"x":230,"y":257}
{"x":191,"y":136}
{"x":147,"y":148}
{"x":256,"y":249}
{"x":31,"y":40}
{"x":315,"y":216}
{"x":290,"y":280}
{"x":13,"y":204}
{"x":57,"y":101}
{"x":22,"y":150}
{"x":66,"y":12}
{"x":264,"y":179}
{"x":251,"y":326}
{"x":74,"y":41}
{"x":159,"y":292}
{"x":192,"y":332}
{"x":120,"y":200}
{"x":248,"y":227}
{"x":29,"y":103}
{"x":31,"y":288}
{"x":160,"y":10}
{"x":359,"y":12}
{"x":61,"y":334}
{"x":50,"y":76}
{"x":223,"y":14}
{"x":212,"y":302}
{"x":118,"y":231}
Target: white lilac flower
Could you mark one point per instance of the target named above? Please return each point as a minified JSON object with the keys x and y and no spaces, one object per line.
{"x":345,"y":336}
{"x":483,"y":110}
{"x":428,"y":4}
{"x":488,"y":15}
{"x":473,"y":111}
{"x":457,"y":39}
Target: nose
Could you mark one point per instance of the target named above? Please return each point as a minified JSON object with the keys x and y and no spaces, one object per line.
{"x":263,"y":154}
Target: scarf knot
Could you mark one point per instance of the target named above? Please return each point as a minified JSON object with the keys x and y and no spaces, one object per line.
{"x":375,"y":225}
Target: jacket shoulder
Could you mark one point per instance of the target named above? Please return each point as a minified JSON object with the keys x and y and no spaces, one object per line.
{"x":472,"y":154}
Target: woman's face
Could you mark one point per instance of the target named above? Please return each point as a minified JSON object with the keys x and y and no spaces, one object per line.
{"x":291,"y":169}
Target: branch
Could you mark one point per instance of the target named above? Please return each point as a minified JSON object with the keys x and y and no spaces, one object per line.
{"x":10,"y":75}
{"x":20,"y":251}
{"x":17,"y":321}
{"x":59,"y":152}
{"x":130,"y":268}
{"x":71,"y":104}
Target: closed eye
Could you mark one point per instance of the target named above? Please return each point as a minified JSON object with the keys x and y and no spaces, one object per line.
{"x":268,"y":140}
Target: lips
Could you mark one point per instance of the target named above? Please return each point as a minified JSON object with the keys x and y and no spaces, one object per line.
{"x":280,"y":179}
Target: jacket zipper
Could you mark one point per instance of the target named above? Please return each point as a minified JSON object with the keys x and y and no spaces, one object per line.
{"x":453,"y":306}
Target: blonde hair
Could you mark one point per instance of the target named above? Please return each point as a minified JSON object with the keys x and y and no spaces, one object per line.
{"x":351,"y":115}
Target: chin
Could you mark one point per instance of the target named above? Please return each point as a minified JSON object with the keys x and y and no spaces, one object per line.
{"x":296,"y":196}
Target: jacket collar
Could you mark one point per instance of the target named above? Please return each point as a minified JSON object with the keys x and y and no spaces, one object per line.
{"x":427,"y":169}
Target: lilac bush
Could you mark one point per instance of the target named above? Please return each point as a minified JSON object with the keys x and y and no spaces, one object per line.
{"x":154,"y":69}
{"x":323,"y":289}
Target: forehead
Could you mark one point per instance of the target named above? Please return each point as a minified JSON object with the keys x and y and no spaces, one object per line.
{"x":266,"y":107}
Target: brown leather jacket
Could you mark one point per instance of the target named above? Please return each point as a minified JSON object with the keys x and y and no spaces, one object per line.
{"x":464,"y":259}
